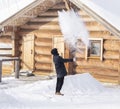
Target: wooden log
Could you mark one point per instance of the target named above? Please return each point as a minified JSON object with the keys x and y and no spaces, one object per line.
{"x":42,"y":34}
{"x":43,"y":72}
{"x":97,"y":70}
{"x":111,"y":55}
{"x":0,"y":70}
{"x":109,"y":79}
{"x":105,"y":37}
{"x":49,"y":13}
{"x":7,"y":69}
{"x":89,"y":19}
{"x":95,"y":28}
{"x":48,"y":19}
{"x":40,"y":23}
{"x":46,"y":39}
{"x":5,"y":49}
{"x":90,"y":23}
{"x":45,"y":27}
{"x":108,"y":55}
{"x":43,"y":58}
{"x":43,"y":42}
{"x":111,"y":45}
{"x":99,"y":33}
{"x":17,"y":68}
{"x":49,"y":32}
{"x":119,"y":64}
{"x":107,"y":64}
{"x":52,"y":31}
{"x":42,"y":50}
{"x":5,"y":39}
{"x":43,"y":66}
{"x":5,"y":55}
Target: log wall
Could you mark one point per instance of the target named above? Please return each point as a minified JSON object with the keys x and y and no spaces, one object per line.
{"x":45,"y":26}
{"x":6,"y":51}
{"x":106,"y":70}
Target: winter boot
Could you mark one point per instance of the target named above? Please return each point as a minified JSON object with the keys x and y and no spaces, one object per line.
{"x":58,"y":93}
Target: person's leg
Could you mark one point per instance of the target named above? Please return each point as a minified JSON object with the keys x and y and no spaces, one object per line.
{"x":59,"y":84}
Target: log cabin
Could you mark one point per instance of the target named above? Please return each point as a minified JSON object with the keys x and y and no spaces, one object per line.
{"x":35,"y":30}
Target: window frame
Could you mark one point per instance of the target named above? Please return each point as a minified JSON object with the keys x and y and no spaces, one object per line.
{"x":97,"y":43}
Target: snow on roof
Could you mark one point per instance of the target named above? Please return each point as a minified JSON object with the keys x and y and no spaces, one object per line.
{"x":10,"y":7}
{"x":107,"y":9}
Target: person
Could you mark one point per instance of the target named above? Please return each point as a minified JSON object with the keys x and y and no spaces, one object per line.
{"x":60,"y":69}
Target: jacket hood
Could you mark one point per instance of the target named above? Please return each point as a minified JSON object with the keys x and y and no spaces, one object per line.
{"x":54,"y":51}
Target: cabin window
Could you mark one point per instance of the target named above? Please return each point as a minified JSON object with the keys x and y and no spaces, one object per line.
{"x":95,"y":50}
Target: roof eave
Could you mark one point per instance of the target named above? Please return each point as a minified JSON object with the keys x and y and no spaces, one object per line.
{"x":98,"y":18}
{"x":29,"y":12}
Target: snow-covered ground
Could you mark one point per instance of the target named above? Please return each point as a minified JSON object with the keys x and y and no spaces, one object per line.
{"x":81,"y":91}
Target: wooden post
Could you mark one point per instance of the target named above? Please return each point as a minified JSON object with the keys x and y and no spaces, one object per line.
{"x":17,"y":68}
{"x":119,"y":66}
{"x":0,"y":70}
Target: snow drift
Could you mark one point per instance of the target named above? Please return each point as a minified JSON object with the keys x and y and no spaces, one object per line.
{"x":81,"y":91}
{"x":73,"y":84}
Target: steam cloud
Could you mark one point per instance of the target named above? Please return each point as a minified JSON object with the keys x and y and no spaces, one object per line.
{"x":73,"y":28}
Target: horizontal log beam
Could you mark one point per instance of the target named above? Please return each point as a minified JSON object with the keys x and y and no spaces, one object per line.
{"x":5,"y":55}
{"x":50,"y":31}
{"x":5,"y":49}
{"x":106,"y":64}
{"x":111,"y":45}
{"x":49,"y":13}
{"x":38,"y":19}
{"x":43,"y":72}
{"x":45,"y":27}
{"x":43,"y":35}
{"x":106,"y":78}
{"x":42,"y":50}
{"x":43,"y":58}
{"x":97,"y":70}
{"x":43,"y":66}
{"x":111,"y":55}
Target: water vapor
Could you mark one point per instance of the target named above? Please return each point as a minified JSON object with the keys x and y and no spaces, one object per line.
{"x":73,"y":28}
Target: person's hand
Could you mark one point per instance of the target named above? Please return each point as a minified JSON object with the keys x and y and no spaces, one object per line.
{"x":74,"y":59}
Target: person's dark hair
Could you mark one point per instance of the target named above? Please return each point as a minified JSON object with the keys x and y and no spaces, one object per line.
{"x":54,"y":51}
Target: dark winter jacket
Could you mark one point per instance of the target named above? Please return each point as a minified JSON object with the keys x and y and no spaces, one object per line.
{"x":59,"y":65}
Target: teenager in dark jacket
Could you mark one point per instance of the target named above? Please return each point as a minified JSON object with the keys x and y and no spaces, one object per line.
{"x":60,"y":69}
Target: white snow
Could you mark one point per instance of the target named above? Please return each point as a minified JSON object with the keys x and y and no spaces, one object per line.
{"x":81,"y":91}
{"x":5,"y":45}
{"x":2,"y":52}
